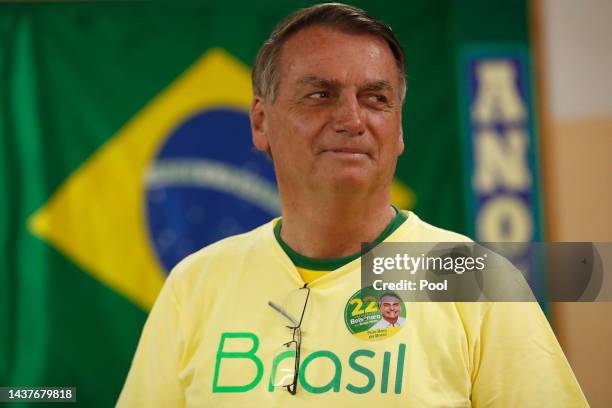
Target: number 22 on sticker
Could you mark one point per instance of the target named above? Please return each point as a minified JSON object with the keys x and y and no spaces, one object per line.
{"x":370,"y":308}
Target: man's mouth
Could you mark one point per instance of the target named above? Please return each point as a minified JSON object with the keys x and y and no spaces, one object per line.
{"x":347,"y":152}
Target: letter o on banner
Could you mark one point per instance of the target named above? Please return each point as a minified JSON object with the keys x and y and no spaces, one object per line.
{"x":504,"y":219}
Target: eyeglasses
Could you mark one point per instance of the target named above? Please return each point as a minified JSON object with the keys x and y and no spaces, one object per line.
{"x":287,"y":359}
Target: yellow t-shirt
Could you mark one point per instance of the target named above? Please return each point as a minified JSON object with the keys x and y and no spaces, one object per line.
{"x":308,"y":275}
{"x":211,"y":338}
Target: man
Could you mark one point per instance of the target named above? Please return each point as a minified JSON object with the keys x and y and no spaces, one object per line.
{"x":389,"y":306}
{"x":280,"y":308}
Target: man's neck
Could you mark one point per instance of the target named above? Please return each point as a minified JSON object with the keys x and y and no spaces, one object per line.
{"x":333,"y":228}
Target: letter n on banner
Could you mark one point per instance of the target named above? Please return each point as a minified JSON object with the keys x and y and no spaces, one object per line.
{"x":502,"y":185}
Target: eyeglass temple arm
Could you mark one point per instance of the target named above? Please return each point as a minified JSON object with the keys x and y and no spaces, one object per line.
{"x":282,"y":311}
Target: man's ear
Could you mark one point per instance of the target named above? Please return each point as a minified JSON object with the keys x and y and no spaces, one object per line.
{"x":400,"y":142}
{"x":257,"y":115}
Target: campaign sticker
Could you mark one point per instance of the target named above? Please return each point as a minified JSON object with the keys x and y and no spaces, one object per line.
{"x":372,"y":315}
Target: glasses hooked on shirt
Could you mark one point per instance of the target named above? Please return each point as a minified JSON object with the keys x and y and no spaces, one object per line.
{"x":286,"y":369}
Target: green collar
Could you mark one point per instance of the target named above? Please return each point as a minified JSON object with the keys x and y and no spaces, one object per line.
{"x":329,"y":264}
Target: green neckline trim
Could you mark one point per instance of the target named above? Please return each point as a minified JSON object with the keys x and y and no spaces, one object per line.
{"x":329,"y":264}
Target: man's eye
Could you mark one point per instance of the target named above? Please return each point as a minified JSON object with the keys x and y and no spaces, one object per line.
{"x":319,"y":95}
{"x":379,"y":98}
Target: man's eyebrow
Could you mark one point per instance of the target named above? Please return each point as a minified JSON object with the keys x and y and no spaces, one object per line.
{"x":381,"y":85}
{"x":318,"y":81}
{"x":330,"y":83}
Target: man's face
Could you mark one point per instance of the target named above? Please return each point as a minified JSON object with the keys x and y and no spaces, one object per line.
{"x":335,"y":123}
{"x":390,"y":308}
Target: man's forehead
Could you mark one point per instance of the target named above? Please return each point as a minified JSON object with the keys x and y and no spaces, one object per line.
{"x":326,"y":34}
{"x":316,"y":48}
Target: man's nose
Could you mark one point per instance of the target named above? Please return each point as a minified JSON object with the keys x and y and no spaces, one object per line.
{"x":348,"y":116}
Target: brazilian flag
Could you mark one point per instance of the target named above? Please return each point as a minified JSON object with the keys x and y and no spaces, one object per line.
{"x":125,"y":145}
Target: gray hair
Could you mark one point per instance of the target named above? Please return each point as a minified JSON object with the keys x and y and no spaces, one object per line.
{"x":389,"y":294}
{"x":345,"y":18}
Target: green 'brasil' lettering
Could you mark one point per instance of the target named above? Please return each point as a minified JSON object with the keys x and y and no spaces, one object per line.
{"x":399,"y":373}
{"x":335,"y":381}
{"x":385,"y":372}
{"x":249,"y":355}
{"x":369,"y":374}
{"x":278,"y":359}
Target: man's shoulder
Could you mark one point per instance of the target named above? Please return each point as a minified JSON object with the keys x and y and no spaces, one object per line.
{"x":421,"y":231}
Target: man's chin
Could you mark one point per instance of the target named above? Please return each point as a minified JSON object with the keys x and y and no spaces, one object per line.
{"x":348,"y":178}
